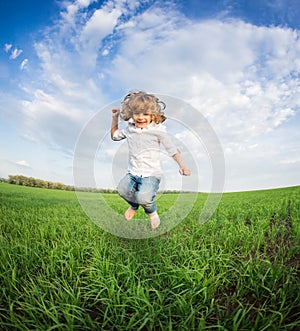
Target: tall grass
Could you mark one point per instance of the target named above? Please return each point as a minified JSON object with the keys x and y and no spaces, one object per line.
{"x":238,"y":271}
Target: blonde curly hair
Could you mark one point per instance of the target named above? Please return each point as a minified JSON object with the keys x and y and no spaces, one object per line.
{"x":142,"y":102}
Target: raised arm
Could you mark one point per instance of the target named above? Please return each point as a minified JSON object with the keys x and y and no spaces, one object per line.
{"x":114,"y":121}
{"x":183,"y":170}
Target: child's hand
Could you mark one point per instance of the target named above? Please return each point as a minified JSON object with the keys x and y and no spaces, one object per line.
{"x":115,"y":112}
{"x":185,"y":171}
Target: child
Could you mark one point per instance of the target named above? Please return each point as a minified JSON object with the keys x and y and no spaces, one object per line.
{"x":144,"y":134}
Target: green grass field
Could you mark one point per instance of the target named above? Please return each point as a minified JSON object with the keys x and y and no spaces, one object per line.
{"x":238,"y":271}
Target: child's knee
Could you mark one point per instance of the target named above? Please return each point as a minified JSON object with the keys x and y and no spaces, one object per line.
{"x":147,"y":202}
{"x":144,"y":199}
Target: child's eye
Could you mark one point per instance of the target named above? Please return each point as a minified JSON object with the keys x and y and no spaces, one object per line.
{"x":139,"y":113}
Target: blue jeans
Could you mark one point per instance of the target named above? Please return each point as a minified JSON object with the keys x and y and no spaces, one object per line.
{"x":139,"y":191}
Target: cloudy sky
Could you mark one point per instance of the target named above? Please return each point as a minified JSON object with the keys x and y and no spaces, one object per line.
{"x":236,"y":64}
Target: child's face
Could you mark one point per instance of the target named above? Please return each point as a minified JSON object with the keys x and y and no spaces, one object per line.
{"x":142,"y":120}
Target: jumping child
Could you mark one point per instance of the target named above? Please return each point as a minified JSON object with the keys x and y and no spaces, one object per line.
{"x":145,"y":134}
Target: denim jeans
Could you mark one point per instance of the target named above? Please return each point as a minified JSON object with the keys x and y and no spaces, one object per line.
{"x":139,"y":191}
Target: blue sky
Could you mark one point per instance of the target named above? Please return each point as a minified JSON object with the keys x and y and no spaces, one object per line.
{"x":62,"y":63}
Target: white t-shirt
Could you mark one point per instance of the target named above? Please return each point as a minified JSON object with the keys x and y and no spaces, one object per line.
{"x":144,"y":148}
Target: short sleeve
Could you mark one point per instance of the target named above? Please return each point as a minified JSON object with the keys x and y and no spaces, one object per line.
{"x":167,"y":142}
{"x":119,"y":134}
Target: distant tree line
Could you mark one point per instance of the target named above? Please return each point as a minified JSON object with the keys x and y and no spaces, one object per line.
{"x":40,"y":183}
{"x":35,"y":182}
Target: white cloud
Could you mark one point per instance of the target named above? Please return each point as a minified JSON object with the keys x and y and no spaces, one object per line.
{"x":105,"y":52}
{"x":23,"y":163}
{"x":291,"y":161}
{"x":54,"y":120}
{"x":15,"y":53}
{"x":7,"y":47}
{"x":85,"y":3}
{"x":24,"y":64}
{"x":98,"y":26}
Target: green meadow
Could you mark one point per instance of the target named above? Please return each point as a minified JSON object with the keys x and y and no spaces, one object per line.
{"x":238,"y":271}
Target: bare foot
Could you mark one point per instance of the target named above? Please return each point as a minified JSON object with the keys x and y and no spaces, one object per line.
{"x":154,"y":220}
{"x":129,"y":213}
